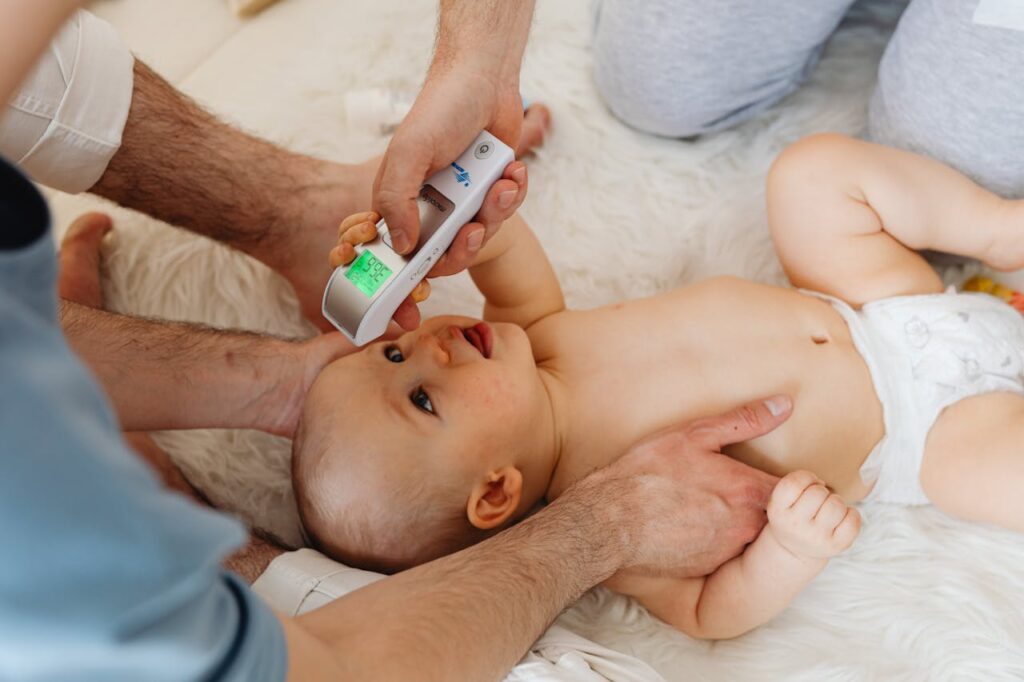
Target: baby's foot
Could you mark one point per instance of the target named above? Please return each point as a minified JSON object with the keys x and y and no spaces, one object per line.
{"x":79,"y":279}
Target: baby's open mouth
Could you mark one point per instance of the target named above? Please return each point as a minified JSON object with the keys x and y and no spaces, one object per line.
{"x":480,"y":337}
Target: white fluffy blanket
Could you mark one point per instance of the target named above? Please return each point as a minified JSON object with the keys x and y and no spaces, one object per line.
{"x":920,"y":596}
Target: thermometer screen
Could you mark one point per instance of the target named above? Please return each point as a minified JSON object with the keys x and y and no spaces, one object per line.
{"x":368,"y":273}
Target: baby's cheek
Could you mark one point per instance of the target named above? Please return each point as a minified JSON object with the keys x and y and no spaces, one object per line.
{"x":499,"y":396}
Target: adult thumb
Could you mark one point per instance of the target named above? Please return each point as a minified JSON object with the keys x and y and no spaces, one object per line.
{"x":743,"y":423}
{"x":394,"y":194}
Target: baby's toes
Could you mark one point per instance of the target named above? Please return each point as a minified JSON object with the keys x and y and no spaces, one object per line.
{"x":79,"y":279}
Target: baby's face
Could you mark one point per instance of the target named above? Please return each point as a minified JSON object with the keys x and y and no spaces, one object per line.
{"x":440,"y":400}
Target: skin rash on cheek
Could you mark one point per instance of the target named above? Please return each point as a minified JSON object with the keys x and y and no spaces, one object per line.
{"x":491,"y":392}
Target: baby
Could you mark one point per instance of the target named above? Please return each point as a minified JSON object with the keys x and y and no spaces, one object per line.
{"x":420,"y":446}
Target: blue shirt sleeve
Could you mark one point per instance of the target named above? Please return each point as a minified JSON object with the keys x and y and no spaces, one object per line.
{"x":104,"y":575}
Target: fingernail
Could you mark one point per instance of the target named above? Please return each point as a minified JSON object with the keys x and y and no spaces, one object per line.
{"x":519,"y":175}
{"x":476,"y":239}
{"x":399,"y":241}
{"x":506,"y":198}
{"x":777,"y":405}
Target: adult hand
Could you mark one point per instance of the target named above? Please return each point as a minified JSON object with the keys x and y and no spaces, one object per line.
{"x":456,"y":103}
{"x":310,"y":358}
{"x":685,"y":507}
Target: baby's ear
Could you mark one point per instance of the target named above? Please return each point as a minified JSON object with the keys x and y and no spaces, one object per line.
{"x":495,"y":498}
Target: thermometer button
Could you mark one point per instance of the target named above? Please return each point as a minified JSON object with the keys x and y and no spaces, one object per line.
{"x":422,"y":268}
{"x":385,"y":236}
{"x":483,"y":150}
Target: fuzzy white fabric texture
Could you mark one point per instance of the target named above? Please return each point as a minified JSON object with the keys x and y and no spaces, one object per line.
{"x":623,"y":215}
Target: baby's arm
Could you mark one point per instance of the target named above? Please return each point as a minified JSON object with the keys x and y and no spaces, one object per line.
{"x":847,"y":216}
{"x":806,"y":526}
{"x":516,"y":278}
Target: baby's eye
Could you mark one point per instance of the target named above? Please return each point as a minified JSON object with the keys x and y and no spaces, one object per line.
{"x":394,"y":354}
{"x":421,"y":400}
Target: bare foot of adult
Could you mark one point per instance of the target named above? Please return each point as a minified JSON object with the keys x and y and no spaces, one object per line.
{"x":79,"y":258}
{"x":536,"y":124}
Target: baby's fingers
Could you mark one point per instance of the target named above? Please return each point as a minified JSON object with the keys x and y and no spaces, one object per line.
{"x":360,"y":233}
{"x":789,"y":489}
{"x":342,"y":254}
{"x":831,"y":513}
{"x":356,"y":218}
{"x":356,"y":229}
{"x":847,"y":530}
{"x":421,"y":292}
{"x":810,"y":501}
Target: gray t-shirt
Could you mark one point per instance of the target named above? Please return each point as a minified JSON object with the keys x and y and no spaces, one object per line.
{"x":104,"y":575}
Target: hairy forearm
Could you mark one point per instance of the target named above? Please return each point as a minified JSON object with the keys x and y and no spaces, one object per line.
{"x":179,"y":163}
{"x":26,"y":28}
{"x":751,"y":589}
{"x":491,"y":34}
{"x":163,"y":375}
{"x":472,"y":615}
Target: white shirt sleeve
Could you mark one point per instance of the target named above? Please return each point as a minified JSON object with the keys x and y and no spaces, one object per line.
{"x":65,"y":124}
{"x":305,"y":579}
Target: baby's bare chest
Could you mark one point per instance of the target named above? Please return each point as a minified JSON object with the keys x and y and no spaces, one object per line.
{"x":638,"y":368}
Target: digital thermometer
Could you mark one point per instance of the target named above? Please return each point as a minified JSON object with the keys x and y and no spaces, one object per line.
{"x":362,"y":296}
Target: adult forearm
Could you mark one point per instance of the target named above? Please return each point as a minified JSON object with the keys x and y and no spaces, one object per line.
{"x":490,"y":33}
{"x":26,"y":27}
{"x":163,"y":375}
{"x":179,"y":163}
{"x":472,"y":615}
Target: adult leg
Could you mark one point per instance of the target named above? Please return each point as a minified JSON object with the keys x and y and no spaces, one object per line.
{"x":686,"y":67}
{"x":950,"y":89}
{"x":973,"y":463}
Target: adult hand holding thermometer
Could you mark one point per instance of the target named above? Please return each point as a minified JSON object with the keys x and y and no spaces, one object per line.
{"x":361,"y":297}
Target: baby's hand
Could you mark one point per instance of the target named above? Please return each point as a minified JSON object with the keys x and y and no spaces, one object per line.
{"x":808,"y":520}
{"x":360,"y":228}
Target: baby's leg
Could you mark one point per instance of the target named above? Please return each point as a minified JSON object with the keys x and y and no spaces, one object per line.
{"x":974,"y":460}
{"x":847,"y":217}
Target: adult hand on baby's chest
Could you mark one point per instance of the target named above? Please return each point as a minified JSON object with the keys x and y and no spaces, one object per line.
{"x":687,"y":508}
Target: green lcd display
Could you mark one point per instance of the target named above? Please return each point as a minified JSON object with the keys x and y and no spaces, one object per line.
{"x":368,"y":273}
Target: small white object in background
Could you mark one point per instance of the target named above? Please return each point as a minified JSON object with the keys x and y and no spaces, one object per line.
{"x":247,"y":8}
{"x":377,"y":111}
{"x":1000,"y":14}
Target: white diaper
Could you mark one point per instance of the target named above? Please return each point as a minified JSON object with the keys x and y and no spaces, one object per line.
{"x":926,"y":353}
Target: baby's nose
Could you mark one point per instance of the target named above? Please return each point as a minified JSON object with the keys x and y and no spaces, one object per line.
{"x":430,"y":345}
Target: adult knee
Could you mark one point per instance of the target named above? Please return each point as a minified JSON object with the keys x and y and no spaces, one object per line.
{"x":684,"y":68}
{"x":943,"y":92}
{"x":646,"y":93}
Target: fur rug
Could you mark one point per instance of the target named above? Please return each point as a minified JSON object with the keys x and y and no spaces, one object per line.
{"x":919,"y":596}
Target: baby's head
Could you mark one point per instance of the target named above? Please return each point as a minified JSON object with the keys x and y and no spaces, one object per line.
{"x":415,"y":448}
